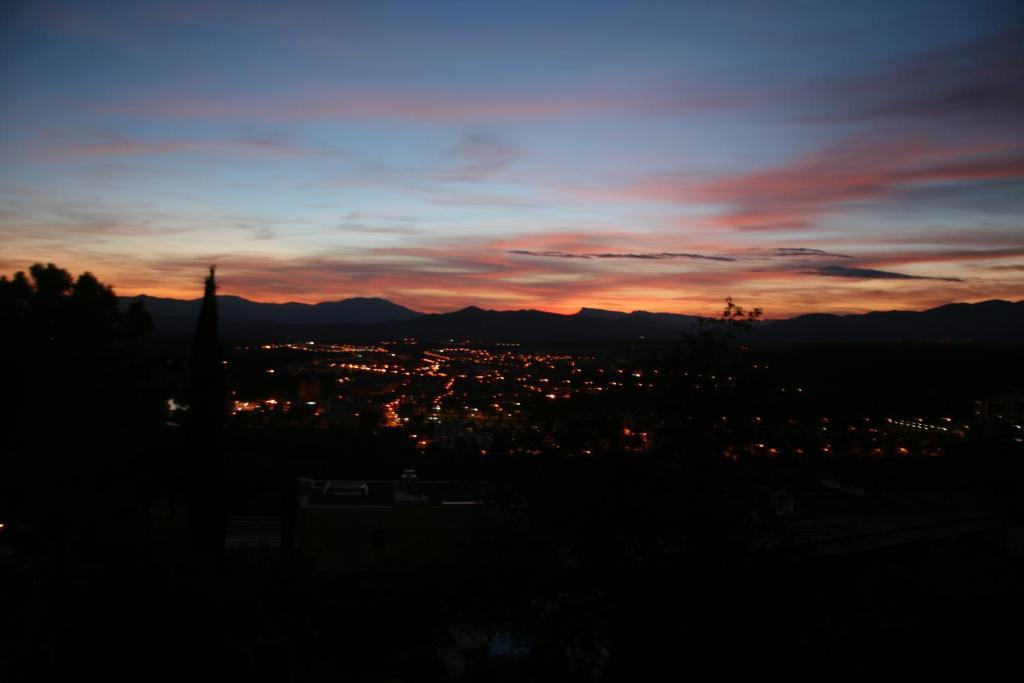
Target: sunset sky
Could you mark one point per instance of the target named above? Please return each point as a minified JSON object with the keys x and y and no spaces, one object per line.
{"x":798,"y":156}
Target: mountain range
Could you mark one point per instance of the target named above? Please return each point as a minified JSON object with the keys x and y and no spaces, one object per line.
{"x":367,"y":319}
{"x":235,"y":309}
{"x":988,"y":321}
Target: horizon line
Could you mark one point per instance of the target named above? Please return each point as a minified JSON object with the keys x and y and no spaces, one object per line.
{"x":577,"y":312}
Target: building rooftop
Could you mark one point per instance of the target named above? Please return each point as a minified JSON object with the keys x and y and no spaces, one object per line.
{"x":387,"y":493}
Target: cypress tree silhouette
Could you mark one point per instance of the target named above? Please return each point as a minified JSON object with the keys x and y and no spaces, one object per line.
{"x":207,"y":382}
{"x":207,"y":415}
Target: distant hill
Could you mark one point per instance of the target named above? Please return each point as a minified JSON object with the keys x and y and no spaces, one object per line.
{"x":531,"y":325}
{"x":989,"y":321}
{"x":675,"y":321}
{"x":176,"y":316}
{"x":371,"y":319}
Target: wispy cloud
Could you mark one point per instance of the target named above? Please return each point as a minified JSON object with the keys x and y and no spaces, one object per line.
{"x":871,"y":274}
{"x":62,"y":145}
{"x":943,"y":255}
{"x":796,"y":194}
{"x":479,"y":156}
{"x":658,"y":256}
{"x":979,"y":80}
{"x":804,"y":251}
{"x":547,"y":254}
{"x":434,"y":107}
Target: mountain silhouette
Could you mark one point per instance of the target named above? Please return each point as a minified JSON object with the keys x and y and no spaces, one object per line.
{"x":176,"y":315}
{"x":520,"y":326}
{"x":674,"y":320}
{"x":993,"y":321}
{"x":369,"y":319}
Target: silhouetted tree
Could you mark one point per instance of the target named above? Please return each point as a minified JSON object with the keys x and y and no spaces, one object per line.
{"x":714,"y":387}
{"x":737,"y":316}
{"x":711,"y":345}
{"x":207,"y":383}
{"x":78,"y":406}
{"x":207,"y":414}
{"x":68,"y":346}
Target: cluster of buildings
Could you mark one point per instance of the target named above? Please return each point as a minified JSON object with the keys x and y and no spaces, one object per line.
{"x":504,"y":399}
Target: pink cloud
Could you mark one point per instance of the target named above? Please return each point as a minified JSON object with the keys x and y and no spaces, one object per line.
{"x":797,"y":194}
{"x":794,"y":195}
{"x":943,"y":256}
{"x":58,"y":147}
{"x":433,"y":105}
{"x":452,"y":107}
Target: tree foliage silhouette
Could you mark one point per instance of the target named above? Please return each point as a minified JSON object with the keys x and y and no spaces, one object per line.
{"x":207,"y":382}
{"x":68,"y":345}
{"x":207,"y":415}
{"x":78,"y":404}
{"x":711,"y":346}
{"x":737,"y":316}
